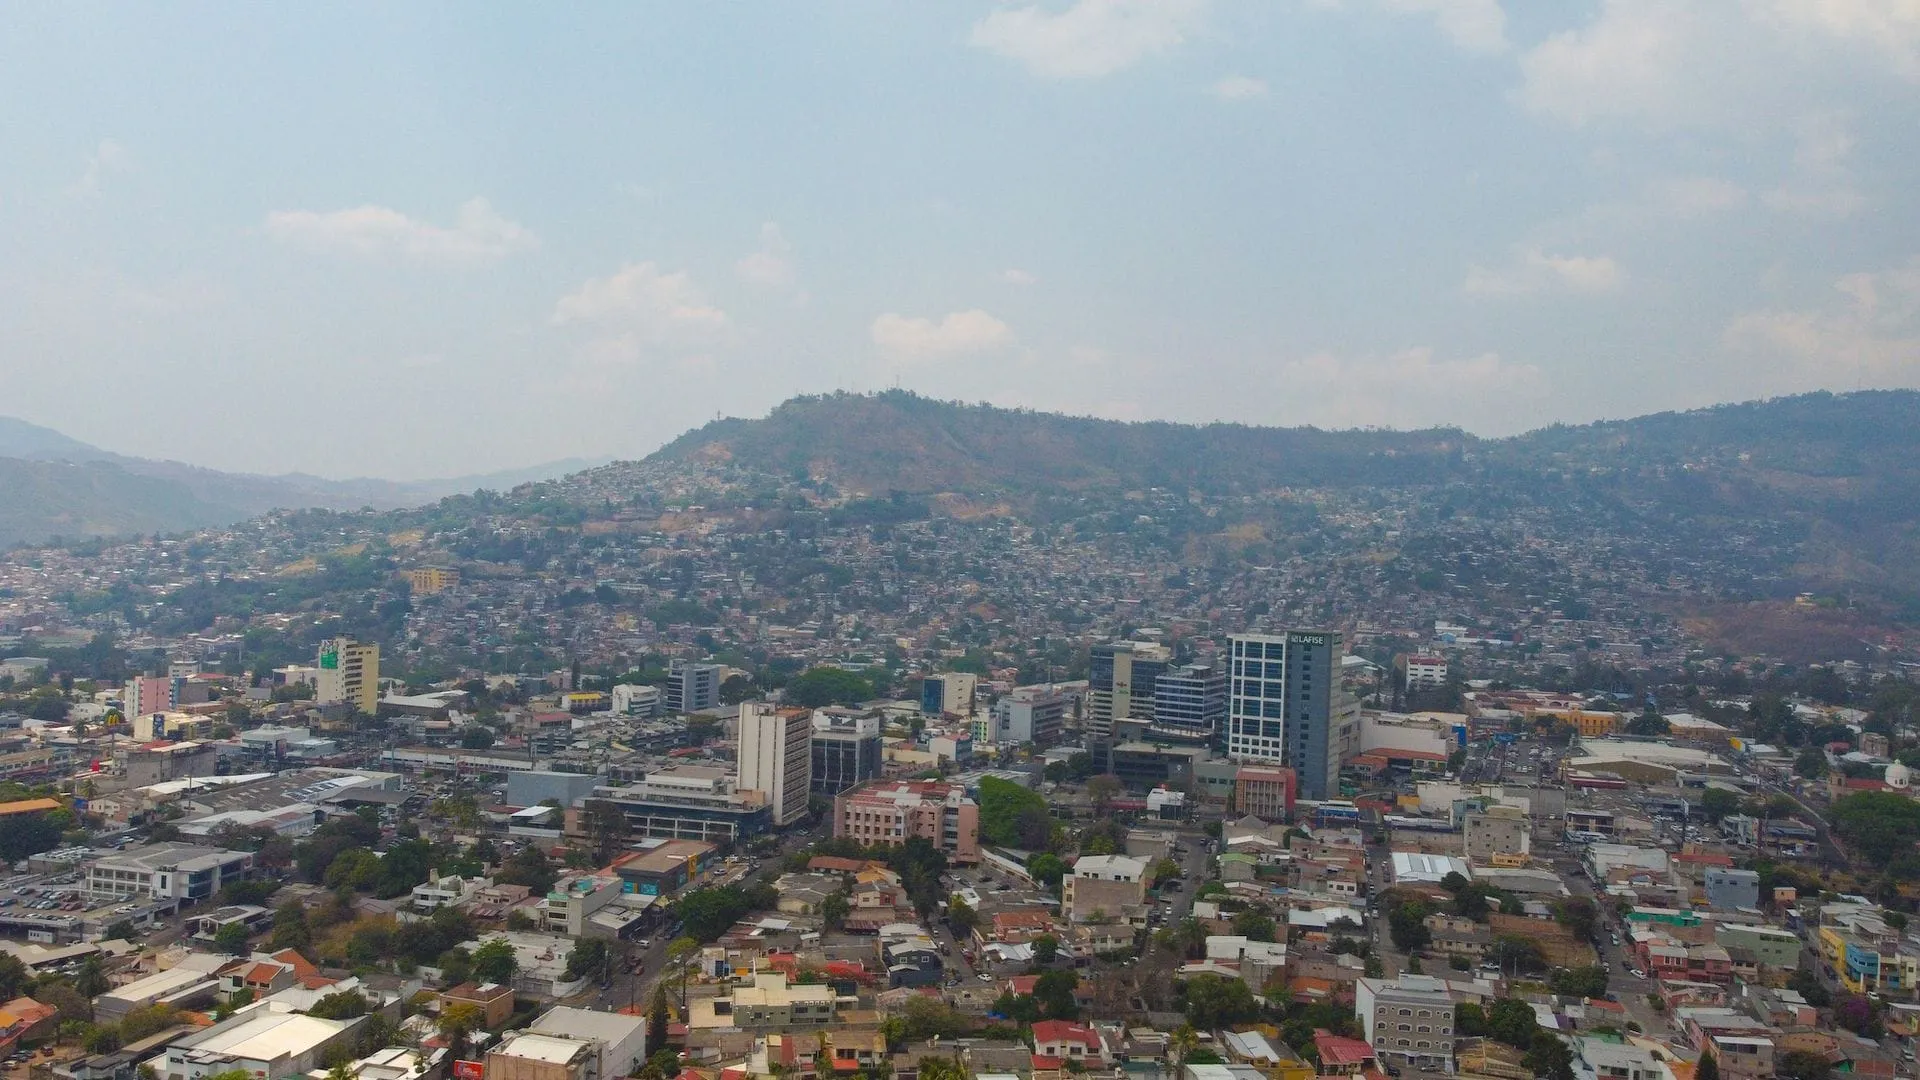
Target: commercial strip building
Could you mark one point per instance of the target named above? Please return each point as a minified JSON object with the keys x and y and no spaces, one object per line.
{"x":888,"y":812}
{"x":180,"y":872}
{"x":688,"y":802}
{"x":662,"y":867}
{"x":572,"y":1044}
{"x":266,"y":1040}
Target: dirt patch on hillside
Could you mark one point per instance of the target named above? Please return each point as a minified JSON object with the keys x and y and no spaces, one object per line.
{"x":1788,"y":631}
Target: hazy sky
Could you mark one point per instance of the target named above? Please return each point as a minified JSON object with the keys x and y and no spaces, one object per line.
{"x":407,"y":240}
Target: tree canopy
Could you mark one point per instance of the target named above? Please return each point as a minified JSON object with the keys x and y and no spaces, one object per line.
{"x":1007,"y":810}
{"x":824,"y":686}
{"x":1877,"y":826}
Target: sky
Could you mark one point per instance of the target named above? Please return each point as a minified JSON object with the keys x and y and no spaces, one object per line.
{"x":434,"y":240}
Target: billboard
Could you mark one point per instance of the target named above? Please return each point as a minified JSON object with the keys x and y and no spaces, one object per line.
{"x":469,"y":1070}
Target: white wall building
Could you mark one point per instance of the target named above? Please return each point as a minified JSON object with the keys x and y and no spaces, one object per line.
{"x":776,"y":757}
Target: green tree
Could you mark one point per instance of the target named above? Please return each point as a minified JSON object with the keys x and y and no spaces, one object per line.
{"x":290,"y":930}
{"x":1801,"y":1065}
{"x":1708,"y":1068}
{"x":495,"y":962}
{"x":681,"y":952}
{"x":1213,"y":1002}
{"x":340,"y":1005}
{"x":458,"y":1022}
{"x":91,"y":980}
{"x":657,"y":1016}
{"x":1053,"y":993}
{"x":1516,"y":954}
{"x":1103,"y":789}
{"x":1877,"y":826}
{"x":1047,"y":870}
{"x":1004,"y":807}
{"x":823,"y":686}
{"x":1587,"y":982}
{"x":1511,"y":1021}
{"x":942,"y":1068}
{"x":1549,"y":1057}
{"x":834,"y":911}
{"x":589,"y":957}
{"x":1811,"y":763}
{"x":1717,"y":803}
{"x":1649,"y":724}
{"x":232,"y":938}
{"x":1046,"y":949}
{"x":961,"y":916}
{"x":1255,"y":925}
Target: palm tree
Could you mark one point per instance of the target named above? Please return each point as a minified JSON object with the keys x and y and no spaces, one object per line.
{"x":1183,"y":1042}
{"x":942,"y":1068}
{"x":680,"y":953}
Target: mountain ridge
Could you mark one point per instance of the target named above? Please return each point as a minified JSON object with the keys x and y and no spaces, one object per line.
{"x":115,"y":495}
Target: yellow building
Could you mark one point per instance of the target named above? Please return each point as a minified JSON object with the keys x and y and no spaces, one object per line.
{"x":1590,"y":724}
{"x":428,"y":580}
{"x":348,"y":672}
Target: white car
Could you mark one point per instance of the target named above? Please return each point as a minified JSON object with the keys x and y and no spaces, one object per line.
{"x":984,"y":977}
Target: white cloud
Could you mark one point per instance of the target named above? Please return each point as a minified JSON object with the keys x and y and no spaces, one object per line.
{"x":1412,"y":388}
{"x":911,"y":338}
{"x":1089,"y":39}
{"x":1638,"y":58}
{"x":1867,"y":333}
{"x":770,"y":266}
{"x":1473,"y":25}
{"x":1757,"y":65}
{"x":1890,"y":28}
{"x":637,"y":309}
{"x":478,"y":234}
{"x":1822,"y":184}
{"x":1478,"y":26}
{"x":1695,"y":196}
{"x":1533,"y":271}
{"x":1238,"y":88}
{"x":108,"y":157}
{"x":1016,"y":276}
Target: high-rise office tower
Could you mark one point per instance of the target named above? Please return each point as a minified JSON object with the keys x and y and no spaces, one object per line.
{"x":948,"y":692}
{"x":1190,"y":703}
{"x":776,"y":757}
{"x":1030,"y":714}
{"x":1284,"y":705}
{"x":846,"y":750}
{"x":692,"y":686}
{"x":1121,"y":677}
{"x":348,"y":671}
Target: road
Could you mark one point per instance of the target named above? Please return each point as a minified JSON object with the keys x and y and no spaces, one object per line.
{"x":636,"y":989}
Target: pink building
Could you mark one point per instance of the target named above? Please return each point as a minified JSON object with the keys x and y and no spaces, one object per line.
{"x":887,"y":812}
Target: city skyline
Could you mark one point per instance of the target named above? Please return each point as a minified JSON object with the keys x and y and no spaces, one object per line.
{"x":449,"y":240}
